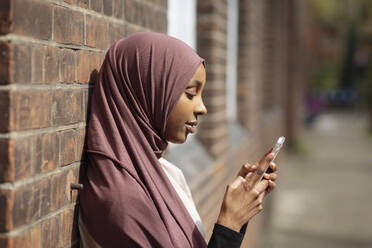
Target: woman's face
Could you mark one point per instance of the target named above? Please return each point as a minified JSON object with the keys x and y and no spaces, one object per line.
{"x":183,"y":118}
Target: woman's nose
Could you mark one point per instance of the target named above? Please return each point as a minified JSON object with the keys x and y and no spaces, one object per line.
{"x":201,"y":109}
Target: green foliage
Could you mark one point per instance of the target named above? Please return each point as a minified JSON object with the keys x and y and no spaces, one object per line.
{"x":299,"y":147}
{"x":326,"y":76}
{"x":327,"y":11}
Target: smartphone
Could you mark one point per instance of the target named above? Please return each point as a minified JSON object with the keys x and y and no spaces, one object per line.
{"x":275,"y":150}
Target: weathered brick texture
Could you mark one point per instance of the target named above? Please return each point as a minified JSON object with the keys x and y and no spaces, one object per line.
{"x":52,"y":51}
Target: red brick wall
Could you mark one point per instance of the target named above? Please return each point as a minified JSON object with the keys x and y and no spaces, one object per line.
{"x":212,"y":45}
{"x":50,"y":52}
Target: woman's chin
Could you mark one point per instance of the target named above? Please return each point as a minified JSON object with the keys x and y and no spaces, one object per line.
{"x":177,"y":140}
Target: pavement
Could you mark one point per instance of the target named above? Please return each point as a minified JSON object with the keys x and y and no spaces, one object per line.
{"x":324,"y":194}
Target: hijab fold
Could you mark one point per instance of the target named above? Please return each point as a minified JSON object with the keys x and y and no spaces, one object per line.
{"x":127,"y":200}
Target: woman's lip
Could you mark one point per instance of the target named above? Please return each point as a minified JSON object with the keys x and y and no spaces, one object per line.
{"x":189,"y":128}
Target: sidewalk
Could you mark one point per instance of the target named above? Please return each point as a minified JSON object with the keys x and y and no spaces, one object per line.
{"x":324,"y":198}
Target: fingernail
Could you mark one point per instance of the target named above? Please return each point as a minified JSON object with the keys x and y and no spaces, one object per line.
{"x":270,"y":157}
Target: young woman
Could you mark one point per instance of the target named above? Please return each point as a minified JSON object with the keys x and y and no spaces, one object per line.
{"x":149,"y":93}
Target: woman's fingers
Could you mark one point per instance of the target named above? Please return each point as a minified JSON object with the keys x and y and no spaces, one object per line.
{"x":246,"y":168}
{"x":256,"y":206}
{"x":254,"y":212}
{"x":260,"y":187}
{"x":273,"y":166}
{"x":237,"y":182}
{"x":270,"y":176}
{"x":261,"y":168}
{"x":271,"y":186}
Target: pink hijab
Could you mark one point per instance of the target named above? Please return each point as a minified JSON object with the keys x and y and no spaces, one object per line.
{"x":127,"y":200}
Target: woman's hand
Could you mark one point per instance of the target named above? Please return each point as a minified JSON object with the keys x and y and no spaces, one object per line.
{"x":270,"y":175}
{"x":243,"y":197}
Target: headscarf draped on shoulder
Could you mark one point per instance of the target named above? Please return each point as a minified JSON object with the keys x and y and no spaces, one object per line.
{"x":127,"y":200}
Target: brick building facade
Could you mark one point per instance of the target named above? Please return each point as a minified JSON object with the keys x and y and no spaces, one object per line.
{"x":50,"y":54}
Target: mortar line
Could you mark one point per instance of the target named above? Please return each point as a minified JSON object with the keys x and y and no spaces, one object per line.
{"x":24,"y":182}
{"x":92,"y":12}
{"x":85,"y":11}
{"x":27,"y":133}
{"x":21,"y":38}
{"x":54,"y":86}
{"x":28,"y":226}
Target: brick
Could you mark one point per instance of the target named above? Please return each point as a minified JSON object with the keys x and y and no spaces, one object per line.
{"x":20,"y":157}
{"x":163,"y":4}
{"x":38,"y":58}
{"x":139,"y":13}
{"x":41,"y":198}
{"x":6,"y":206}
{"x":68,"y":228}
{"x":207,"y":7}
{"x":16,"y":159}
{"x":51,"y":65}
{"x":72,"y":177}
{"x":82,"y":3}
{"x":97,"y":32}
{"x":5,"y":16}
{"x":23,"y":206}
{"x":59,"y":195}
{"x":32,"y":19}
{"x":107,"y":7}
{"x":22,"y":240}
{"x":83,"y":66}
{"x":26,"y":239}
{"x":46,"y":152}
{"x":22,"y":63}
{"x":45,"y":64}
{"x":68,"y":147}
{"x":4,"y":111}
{"x":118,"y":8}
{"x":131,"y":29}
{"x":96,"y":5}
{"x":87,"y":97}
{"x":30,"y":109}
{"x":67,"y":107}
{"x":130,"y":11}
{"x":5,"y":57}
{"x":68,"y":65}
{"x":68,"y":26}
{"x":116,"y":32}
{"x":5,"y":172}
{"x":81,"y":134}
{"x":161,"y":22}
{"x":36,"y":236}
{"x":88,"y":65}
{"x":49,"y":232}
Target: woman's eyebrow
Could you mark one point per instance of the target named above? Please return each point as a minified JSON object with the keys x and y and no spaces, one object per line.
{"x":199,"y":83}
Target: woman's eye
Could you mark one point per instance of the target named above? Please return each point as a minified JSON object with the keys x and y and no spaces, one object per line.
{"x":189,"y":95}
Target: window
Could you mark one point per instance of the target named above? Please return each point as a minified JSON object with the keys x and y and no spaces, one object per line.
{"x":182,"y":20}
{"x":231,"y":60}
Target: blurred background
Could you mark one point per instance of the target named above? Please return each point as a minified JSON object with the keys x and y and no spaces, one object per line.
{"x":298,"y":68}
{"x":324,"y":187}
{"x":312,"y":60}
